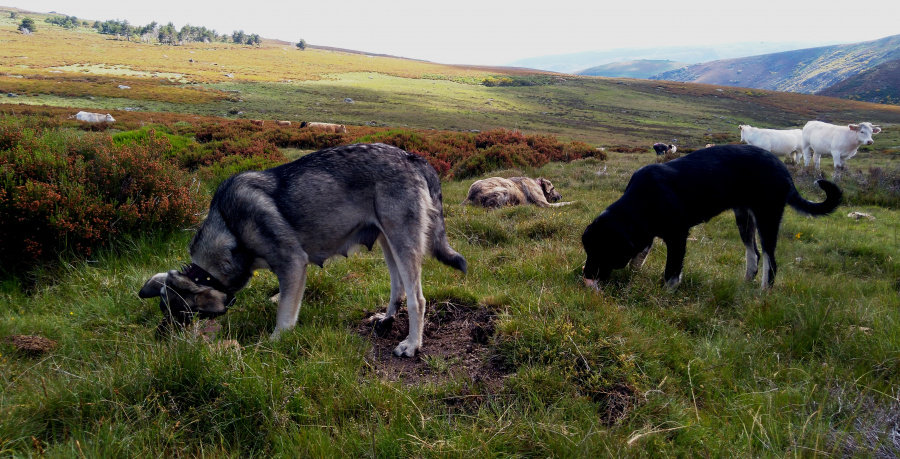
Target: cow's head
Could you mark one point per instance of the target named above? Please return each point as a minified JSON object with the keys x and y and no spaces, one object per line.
{"x":864,"y":132}
{"x":181,"y":299}
{"x":549,"y":190}
{"x":743,"y":129}
{"x":109,"y":118}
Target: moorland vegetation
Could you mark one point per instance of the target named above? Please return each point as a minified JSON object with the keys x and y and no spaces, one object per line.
{"x":520,"y":359}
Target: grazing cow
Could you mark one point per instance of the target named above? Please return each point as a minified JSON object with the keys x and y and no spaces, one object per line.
{"x":498,"y":192}
{"x":93,"y":117}
{"x":661,"y":148}
{"x":780,"y":142}
{"x":841,"y":142}
{"x":710,"y":145}
{"x":325,"y":127}
{"x":283,"y":123}
{"x":257,"y":122}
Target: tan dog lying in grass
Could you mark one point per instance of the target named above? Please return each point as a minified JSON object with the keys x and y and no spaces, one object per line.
{"x":498,"y":192}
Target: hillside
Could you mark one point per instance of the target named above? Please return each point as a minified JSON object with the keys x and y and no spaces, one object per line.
{"x":277,"y":81}
{"x":632,"y":69}
{"x":803,"y":71}
{"x":880,"y":84}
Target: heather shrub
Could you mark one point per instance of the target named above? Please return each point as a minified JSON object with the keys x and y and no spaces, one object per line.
{"x":498,"y":157}
{"x":68,"y":191}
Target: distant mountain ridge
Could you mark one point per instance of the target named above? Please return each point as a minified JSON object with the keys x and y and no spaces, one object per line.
{"x":632,"y":69}
{"x":577,"y":62}
{"x":809,"y":70}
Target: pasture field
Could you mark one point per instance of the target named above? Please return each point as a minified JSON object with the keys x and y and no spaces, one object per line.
{"x":276,"y":81}
{"x":714,"y":368}
{"x":520,"y":359}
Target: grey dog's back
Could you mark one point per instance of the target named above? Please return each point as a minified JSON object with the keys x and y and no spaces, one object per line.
{"x":332,"y":200}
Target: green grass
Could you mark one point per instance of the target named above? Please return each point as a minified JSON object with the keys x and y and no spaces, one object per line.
{"x":716,"y":367}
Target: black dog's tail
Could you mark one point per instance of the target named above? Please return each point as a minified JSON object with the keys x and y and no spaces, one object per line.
{"x":832,"y":199}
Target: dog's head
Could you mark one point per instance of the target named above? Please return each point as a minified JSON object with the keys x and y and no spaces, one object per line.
{"x":607,"y":248}
{"x":550,"y":193}
{"x":182,"y":298}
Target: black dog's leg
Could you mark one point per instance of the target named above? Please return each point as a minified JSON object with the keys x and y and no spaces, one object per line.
{"x":746,"y":224}
{"x":768,"y":237}
{"x":676,"y":248}
{"x":638,"y":261}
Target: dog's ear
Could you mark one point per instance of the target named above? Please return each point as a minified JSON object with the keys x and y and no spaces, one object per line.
{"x":153,"y":287}
{"x":545,"y":184}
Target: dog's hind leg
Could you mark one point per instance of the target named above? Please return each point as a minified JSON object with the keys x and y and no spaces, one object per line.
{"x":291,"y":282}
{"x":638,"y":261}
{"x":675,"y":247}
{"x":746,"y":224}
{"x":768,"y":237}
{"x":407,"y":251}
{"x":386,"y":322}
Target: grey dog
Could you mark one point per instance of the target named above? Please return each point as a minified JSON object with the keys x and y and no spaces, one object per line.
{"x":305,"y":212}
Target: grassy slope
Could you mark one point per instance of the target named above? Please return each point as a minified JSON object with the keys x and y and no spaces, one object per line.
{"x":277,"y":82}
{"x":715,"y":368}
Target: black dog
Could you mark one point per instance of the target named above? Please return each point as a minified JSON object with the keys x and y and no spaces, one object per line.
{"x":666,"y":200}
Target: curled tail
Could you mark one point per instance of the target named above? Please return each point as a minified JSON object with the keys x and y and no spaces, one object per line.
{"x":832,"y":199}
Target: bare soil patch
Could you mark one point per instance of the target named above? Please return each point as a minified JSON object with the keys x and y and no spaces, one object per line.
{"x":456,"y":347}
{"x":31,"y":344}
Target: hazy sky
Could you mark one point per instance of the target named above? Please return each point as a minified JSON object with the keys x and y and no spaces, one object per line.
{"x":485,"y":32}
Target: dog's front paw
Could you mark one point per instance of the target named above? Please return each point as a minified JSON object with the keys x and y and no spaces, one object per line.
{"x":406,"y":349}
{"x":674,"y":282}
{"x":383,"y":326}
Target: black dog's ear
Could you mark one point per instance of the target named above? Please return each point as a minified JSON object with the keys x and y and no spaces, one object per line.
{"x":153,"y":287}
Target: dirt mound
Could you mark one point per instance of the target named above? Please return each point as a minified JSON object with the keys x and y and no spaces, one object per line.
{"x":31,"y":344}
{"x":456,"y":346}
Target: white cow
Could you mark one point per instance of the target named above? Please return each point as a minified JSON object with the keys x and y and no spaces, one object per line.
{"x":780,"y":142}
{"x":841,"y":142}
{"x":94,"y":117}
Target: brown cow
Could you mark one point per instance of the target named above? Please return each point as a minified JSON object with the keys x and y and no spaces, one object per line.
{"x":257,"y":122}
{"x":325,"y":127}
{"x":498,"y":192}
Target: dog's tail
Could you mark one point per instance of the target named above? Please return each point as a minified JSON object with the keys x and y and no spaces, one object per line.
{"x":446,"y":255}
{"x":440,"y":247}
{"x":833,"y":196}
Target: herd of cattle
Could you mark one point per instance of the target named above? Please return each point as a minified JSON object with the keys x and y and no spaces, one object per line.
{"x":815,"y":140}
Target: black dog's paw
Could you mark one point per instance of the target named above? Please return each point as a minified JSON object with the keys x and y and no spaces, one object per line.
{"x":383,"y":326}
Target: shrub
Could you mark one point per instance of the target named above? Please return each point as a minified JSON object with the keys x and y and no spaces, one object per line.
{"x":63,"y":190}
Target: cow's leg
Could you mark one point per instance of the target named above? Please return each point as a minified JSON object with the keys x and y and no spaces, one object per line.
{"x":676,"y":248}
{"x":291,"y":283}
{"x":746,"y":224}
{"x":386,"y":321}
{"x":807,"y":151}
